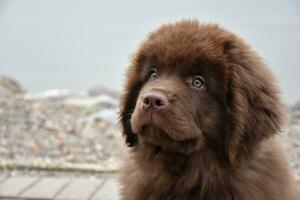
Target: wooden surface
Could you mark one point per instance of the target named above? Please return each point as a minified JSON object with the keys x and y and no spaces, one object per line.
{"x":60,"y":188}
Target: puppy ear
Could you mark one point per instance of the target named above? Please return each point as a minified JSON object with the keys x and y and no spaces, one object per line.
{"x":254,"y":108}
{"x":127,"y":105}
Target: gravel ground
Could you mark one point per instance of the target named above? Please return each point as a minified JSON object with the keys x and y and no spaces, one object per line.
{"x":60,"y":130}
{"x":291,"y":142}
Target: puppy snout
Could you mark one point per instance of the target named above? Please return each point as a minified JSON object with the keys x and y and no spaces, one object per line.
{"x":154,"y":101}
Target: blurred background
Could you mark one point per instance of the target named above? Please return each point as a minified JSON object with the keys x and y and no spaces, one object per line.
{"x":62,"y":64}
{"x":79,"y":44}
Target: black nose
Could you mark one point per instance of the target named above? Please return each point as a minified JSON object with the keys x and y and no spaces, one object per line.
{"x":154,"y":101}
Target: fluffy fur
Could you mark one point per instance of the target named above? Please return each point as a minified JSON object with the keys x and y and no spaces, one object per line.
{"x":211,"y":142}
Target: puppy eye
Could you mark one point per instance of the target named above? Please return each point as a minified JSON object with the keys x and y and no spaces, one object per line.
{"x":198,"y":82}
{"x":152,"y":73}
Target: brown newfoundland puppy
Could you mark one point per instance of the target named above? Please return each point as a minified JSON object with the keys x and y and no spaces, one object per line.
{"x":200,"y":112}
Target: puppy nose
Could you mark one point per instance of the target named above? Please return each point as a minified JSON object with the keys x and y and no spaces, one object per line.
{"x":154,"y":101}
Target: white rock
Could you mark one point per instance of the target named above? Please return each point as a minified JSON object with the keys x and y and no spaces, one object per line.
{"x":89,"y":102}
{"x":54,"y":93}
{"x":9,"y":86}
{"x":108,"y":115}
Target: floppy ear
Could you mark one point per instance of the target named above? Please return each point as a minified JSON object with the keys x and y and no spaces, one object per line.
{"x":254,"y":108}
{"x":127,"y":105}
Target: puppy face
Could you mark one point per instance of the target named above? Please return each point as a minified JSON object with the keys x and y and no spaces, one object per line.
{"x":193,"y":86}
{"x":178,"y":104}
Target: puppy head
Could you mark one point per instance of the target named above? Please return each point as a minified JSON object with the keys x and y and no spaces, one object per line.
{"x":193,"y":86}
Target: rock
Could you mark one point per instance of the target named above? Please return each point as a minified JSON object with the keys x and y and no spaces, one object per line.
{"x":9,"y":87}
{"x":99,"y":90}
{"x":295,"y":110}
{"x":92,"y":103}
{"x":107,"y":115}
{"x":53,"y":93}
{"x":97,"y":123}
{"x":296,"y":106}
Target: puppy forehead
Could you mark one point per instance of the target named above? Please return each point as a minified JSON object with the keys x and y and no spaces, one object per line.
{"x":185,"y":64}
{"x":185,"y":45}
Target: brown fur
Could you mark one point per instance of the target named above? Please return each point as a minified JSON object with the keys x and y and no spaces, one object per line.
{"x":213,"y":143}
